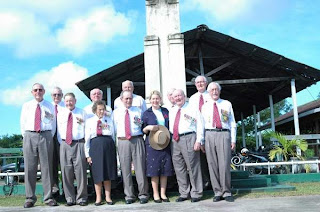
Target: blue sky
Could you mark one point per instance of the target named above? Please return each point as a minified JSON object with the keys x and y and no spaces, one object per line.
{"x":60,"y":42}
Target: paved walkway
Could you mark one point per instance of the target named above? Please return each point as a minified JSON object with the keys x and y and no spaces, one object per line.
{"x":282,"y":204}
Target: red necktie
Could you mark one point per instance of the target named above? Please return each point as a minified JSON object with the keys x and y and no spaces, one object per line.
{"x":99,"y":128}
{"x":127,"y":125}
{"x":216,"y":118}
{"x":176,"y":126}
{"x":69,"y":129}
{"x":201,"y":102}
{"x":37,"y":119}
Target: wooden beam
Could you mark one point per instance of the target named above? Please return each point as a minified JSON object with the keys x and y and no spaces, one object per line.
{"x":239,"y":81}
{"x":192,"y":72}
{"x":222,"y":67}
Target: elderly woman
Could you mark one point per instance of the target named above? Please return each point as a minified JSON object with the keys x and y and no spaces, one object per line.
{"x":100,"y":150}
{"x":158,"y":162}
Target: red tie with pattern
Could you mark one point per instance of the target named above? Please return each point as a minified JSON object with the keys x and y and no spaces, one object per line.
{"x":176,"y":126}
{"x":56,"y":110}
{"x":69,"y":129}
{"x":99,"y":128}
{"x":37,"y":119}
{"x":216,"y":118}
{"x":127,"y":127}
{"x":201,"y":102}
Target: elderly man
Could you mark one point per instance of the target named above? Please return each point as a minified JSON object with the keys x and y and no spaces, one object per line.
{"x":197,"y":100}
{"x":56,"y":96}
{"x":95,"y":95}
{"x":131,"y":147}
{"x":220,"y":136}
{"x":186,"y":125}
{"x":38,"y":125}
{"x":71,"y":123}
{"x":137,"y":100}
{"x":171,"y":102}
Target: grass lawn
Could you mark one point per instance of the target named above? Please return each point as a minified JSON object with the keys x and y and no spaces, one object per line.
{"x":302,"y":189}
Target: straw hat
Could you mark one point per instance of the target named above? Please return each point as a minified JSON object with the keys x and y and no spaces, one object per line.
{"x":159,"y":139}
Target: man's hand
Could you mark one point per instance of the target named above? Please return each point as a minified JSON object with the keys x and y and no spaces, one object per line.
{"x":233,"y":146}
{"x":197,"y":146}
{"x":203,"y":149}
{"x":89,"y":160}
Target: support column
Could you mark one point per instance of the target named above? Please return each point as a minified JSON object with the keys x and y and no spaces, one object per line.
{"x":243,"y":131}
{"x":259,"y":132}
{"x":273,"y":127}
{"x":255,"y":125}
{"x":108,"y":95}
{"x":295,"y":107}
{"x":164,"y":47}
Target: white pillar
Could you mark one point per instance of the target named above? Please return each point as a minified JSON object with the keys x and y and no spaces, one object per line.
{"x":273,"y":127}
{"x":243,"y":131}
{"x":255,"y":125}
{"x":164,"y":47}
{"x":259,"y":133}
{"x":295,"y":107}
{"x":109,"y":95}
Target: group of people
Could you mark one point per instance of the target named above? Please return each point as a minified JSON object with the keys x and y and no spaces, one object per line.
{"x":159,"y":142}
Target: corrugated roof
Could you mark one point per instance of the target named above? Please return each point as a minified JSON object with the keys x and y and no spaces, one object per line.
{"x":237,"y":59}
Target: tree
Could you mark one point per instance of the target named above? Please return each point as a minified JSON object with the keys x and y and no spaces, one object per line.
{"x":12,"y":141}
{"x":279,"y":108}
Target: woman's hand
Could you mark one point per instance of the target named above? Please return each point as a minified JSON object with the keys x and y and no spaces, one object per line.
{"x":153,"y":127}
{"x":89,"y":160}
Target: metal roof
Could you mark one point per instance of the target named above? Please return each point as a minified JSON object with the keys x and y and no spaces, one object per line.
{"x":247,"y":73}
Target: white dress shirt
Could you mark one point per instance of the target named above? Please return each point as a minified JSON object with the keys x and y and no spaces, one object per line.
{"x":135,"y":115}
{"x":137,"y":101}
{"x":78,"y":123}
{"x":226,"y":116}
{"x":195,"y":98}
{"x":90,"y":114}
{"x":91,"y":130}
{"x":48,"y":117}
{"x":190,"y":121}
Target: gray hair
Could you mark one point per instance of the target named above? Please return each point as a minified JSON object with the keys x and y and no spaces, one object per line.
{"x":56,"y":88}
{"x":200,"y":76}
{"x":213,"y":83}
{"x":101,"y":92}
{"x":122,"y":93}
{"x":95,"y":105}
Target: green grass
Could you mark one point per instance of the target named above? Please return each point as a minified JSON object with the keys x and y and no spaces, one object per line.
{"x":302,"y":189}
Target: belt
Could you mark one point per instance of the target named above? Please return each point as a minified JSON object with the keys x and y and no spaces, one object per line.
{"x":124,"y":138}
{"x":218,"y":130}
{"x":104,"y":136}
{"x":41,"y":131}
{"x":187,"y":133}
{"x":76,"y":141}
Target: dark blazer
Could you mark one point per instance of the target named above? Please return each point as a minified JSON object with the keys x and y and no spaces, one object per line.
{"x":149,"y":118}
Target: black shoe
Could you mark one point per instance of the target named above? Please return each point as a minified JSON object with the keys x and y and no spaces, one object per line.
{"x":181,"y":199}
{"x":229,"y":199}
{"x":110,"y":203}
{"x":70,"y":204}
{"x":157,"y":200}
{"x":28,"y":205}
{"x":98,"y":203}
{"x":165,"y":200}
{"x":195,"y":199}
{"x":129,"y":201}
{"x":216,"y":198}
{"x":52,"y":203}
{"x":143,"y":200}
{"x":83,"y":203}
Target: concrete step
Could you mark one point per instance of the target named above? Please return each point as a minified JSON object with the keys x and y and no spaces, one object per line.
{"x":237,"y":174}
{"x":251,"y":182}
{"x":272,"y":188}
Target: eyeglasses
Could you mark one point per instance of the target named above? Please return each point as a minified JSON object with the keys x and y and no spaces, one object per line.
{"x":38,"y":90}
{"x":57,"y":94}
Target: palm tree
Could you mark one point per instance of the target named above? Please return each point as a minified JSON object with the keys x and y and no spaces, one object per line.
{"x":287,"y":148}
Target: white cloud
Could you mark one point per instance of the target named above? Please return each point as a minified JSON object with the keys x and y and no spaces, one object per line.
{"x":64,"y":75}
{"x":46,"y":27}
{"x":98,"y":27}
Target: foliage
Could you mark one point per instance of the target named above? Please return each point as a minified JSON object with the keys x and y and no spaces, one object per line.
{"x":279,"y":108}
{"x":287,"y":148}
{"x":12,"y":141}
{"x":309,"y":153}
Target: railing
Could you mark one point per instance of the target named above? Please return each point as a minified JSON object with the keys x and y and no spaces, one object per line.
{"x":292,"y":162}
